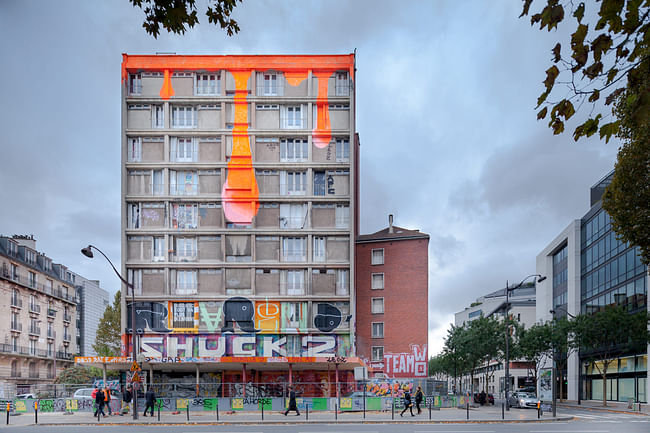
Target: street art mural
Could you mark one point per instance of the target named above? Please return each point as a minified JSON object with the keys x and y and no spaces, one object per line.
{"x":238,"y":315}
{"x":240,"y":193}
{"x":206,"y":346}
{"x":413,"y":364}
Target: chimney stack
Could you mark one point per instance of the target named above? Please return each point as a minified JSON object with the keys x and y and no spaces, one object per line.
{"x":390,"y":223}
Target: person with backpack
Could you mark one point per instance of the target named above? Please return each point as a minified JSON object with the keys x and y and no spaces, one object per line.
{"x":126,"y":401}
{"x":407,"y":403}
{"x":419,"y":396}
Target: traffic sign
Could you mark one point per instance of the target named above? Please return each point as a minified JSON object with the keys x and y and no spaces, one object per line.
{"x":135,"y":378}
{"x":135,"y":366}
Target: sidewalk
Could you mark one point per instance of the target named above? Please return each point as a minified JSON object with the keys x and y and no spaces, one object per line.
{"x":447,"y":415}
{"x":612,"y":406}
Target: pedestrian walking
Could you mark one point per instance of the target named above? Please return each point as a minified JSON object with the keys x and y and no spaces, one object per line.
{"x":150,"y":398}
{"x":126,"y":401}
{"x":292,"y":402}
{"x":482,"y":398}
{"x":407,"y":403}
{"x":107,"y":400}
{"x":99,"y":402}
{"x":419,"y":395}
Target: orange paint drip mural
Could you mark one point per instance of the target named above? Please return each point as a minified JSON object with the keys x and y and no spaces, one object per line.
{"x":240,"y":193}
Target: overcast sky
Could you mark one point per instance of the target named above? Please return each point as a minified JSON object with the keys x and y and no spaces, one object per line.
{"x":445,"y":110}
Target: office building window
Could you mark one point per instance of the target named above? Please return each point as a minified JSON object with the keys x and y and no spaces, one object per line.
{"x":133,"y":218}
{"x":377,"y":256}
{"x":292,"y":116}
{"x":296,"y":282}
{"x":342,"y":282}
{"x":293,"y":182}
{"x":185,"y":248}
{"x":184,"y":117}
{"x":293,"y":216}
{"x":269,"y":84}
{"x":319,"y":248}
{"x":183,"y":149}
{"x":135,"y":84}
{"x":319,"y":183}
{"x":157,"y":116}
{"x":158,"y":249}
{"x":377,"y":281}
{"x":294,"y":249}
{"x":135,"y":149}
{"x":342,"y":216}
{"x":183,"y":182}
{"x":293,"y":150}
{"x":377,"y":329}
{"x":377,"y":353}
{"x":207,"y":84}
{"x":377,"y":305}
{"x":342,"y":84}
{"x":134,"y":276}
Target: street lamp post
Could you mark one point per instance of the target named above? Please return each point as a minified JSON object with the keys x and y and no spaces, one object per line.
{"x":540,"y":278}
{"x":554,"y":368}
{"x":88,"y":253}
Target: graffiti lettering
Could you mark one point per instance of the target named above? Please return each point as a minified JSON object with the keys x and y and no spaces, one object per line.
{"x":241,"y":311}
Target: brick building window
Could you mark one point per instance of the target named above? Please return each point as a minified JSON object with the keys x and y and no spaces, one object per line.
{"x":377,"y":329}
{"x":377,"y":281}
{"x":377,"y":353}
{"x":377,"y":305}
{"x":378,"y":256}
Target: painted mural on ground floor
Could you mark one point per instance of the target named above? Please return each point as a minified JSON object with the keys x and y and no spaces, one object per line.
{"x":172,"y":346}
{"x":238,"y":314}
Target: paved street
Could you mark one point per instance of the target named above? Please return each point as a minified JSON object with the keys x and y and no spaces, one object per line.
{"x":482,"y":420}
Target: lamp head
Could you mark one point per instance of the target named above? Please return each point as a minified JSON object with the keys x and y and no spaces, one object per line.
{"x":552,"y":312}
{"x":87,"y":252}
{"x":540,"y":279}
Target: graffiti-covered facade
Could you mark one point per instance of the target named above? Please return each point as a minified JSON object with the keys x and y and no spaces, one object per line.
{"x":239,"y":186}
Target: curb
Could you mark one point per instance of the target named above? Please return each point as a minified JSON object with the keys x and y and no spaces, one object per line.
{"x":604,"y":409}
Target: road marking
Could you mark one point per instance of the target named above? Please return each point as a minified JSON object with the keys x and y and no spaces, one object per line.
{"x":453,"y":431}
{"x":569,"y":431}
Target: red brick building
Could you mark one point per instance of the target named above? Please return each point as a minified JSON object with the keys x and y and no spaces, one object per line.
{"x":392,"y":270}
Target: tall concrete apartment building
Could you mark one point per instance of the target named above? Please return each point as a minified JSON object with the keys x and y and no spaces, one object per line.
{"x":38,"y":302}
{"x":239,"y":196}
{"x":591,"y":269}
{"x":392,"y":286}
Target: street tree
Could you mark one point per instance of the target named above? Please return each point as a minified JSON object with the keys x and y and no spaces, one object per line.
{"x":612,"y":332}
{"x":562,"y":335}
{"x":455,"y":358}
{"x":108,"y":338}
{"x":535,"y":345}
{"x":176,"y":16}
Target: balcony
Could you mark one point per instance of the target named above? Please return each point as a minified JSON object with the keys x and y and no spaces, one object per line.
{"x":33,"y":374}
{"x":51,"y":333}
{"x":34,"y":308}
{"x":16,"y":302}
{"x":66,"y":338}
{"x":51,"y":312}
{"x":16,"y":374}
{"x":16,"y":327}
{"x":63,"y":355}
{"x":184,"y":189}
{"x":67,"y":317}
{"x":34,"y":330}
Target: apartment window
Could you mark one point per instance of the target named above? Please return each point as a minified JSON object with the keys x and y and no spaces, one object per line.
{"x":30,"y":256}
{"x":293,"y":182}
{"x":157,"y":116}
{"x":377,"y":353}
{"x":377,"y":256}
{"x":270,"y":84}
{"x":32,"y":351}
{"x":319,"y":183}
{"x":135,"y":149}
{"x":377,"y":281}
{"x":14,"y":320}
{"x":377,"y":329}
{"x":342,"y":150}
{"x":319,"y":249}
{"x":207,"y":84}
{"x":50,"y":349}
{"x":157,"y":183}
{"x":32,"y":279}
{"x":294,"y":249}
{"x":186,"y":282}
{"x":342,"y":84}
{"x":14,"y":272}
{"x":133,"y":217}
{"x":183,"y":183}
{"x":293,"y":150}
{"x":184,"y":117}
{"x":183,"y":149}
{"x":292,"y":116}
{"x":14,"y":343}
{"x":293,"y":216}
{"x":158,"y":249}
{"x":32,"y":302}
{"x":135,"y":84}
{"x":342,"y":216}
{"x":377,"y":305}
{"x":134,"y":277}
{"x":183,"y":315}
{"x":296,"y":282}
{"x":66,"y":333}
{"x":185,"y":248}
{"x":342,"y":282}
{"x":184,"y":216}
{"x":293,"y":314}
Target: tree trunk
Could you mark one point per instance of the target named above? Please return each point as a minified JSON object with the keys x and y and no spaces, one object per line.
{"x":605,"y":388}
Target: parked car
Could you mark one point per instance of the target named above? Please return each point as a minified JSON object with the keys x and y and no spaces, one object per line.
{"x":28,"y":395}
{"x":489,"y":398}
{"x":522,"y":400}
{"x":86,"y":394}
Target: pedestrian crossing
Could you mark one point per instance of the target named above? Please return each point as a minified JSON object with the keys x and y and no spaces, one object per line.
{"x":610,"y":417}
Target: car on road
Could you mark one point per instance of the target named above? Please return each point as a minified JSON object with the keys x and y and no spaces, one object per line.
{"x":522,"y":400}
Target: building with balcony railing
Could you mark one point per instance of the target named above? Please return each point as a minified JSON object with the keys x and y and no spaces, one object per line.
{"x":37,"y":301}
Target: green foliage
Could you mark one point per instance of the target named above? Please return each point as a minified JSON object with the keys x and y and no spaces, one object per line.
{"x":75,"y":374}
{"x":627,"y":198}
{"x":176,"y":16}
{"x":601,"y":55}
{"x":108,"y":338}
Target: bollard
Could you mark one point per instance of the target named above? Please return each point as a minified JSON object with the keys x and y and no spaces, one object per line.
{"x":503,"y":411}
{"x":262,"y":411}
{"x":429,"y":411}
{"x":467,"y":405}
{"x":8,"y":409}
{"x":36,"y":412}
{"x":307,"y":412}
{"x":158,"y":413}
{"x":187,"y":410}
{"x":336,"y":411}
{"x":392,"y":408}
{"x":217,"y":409}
